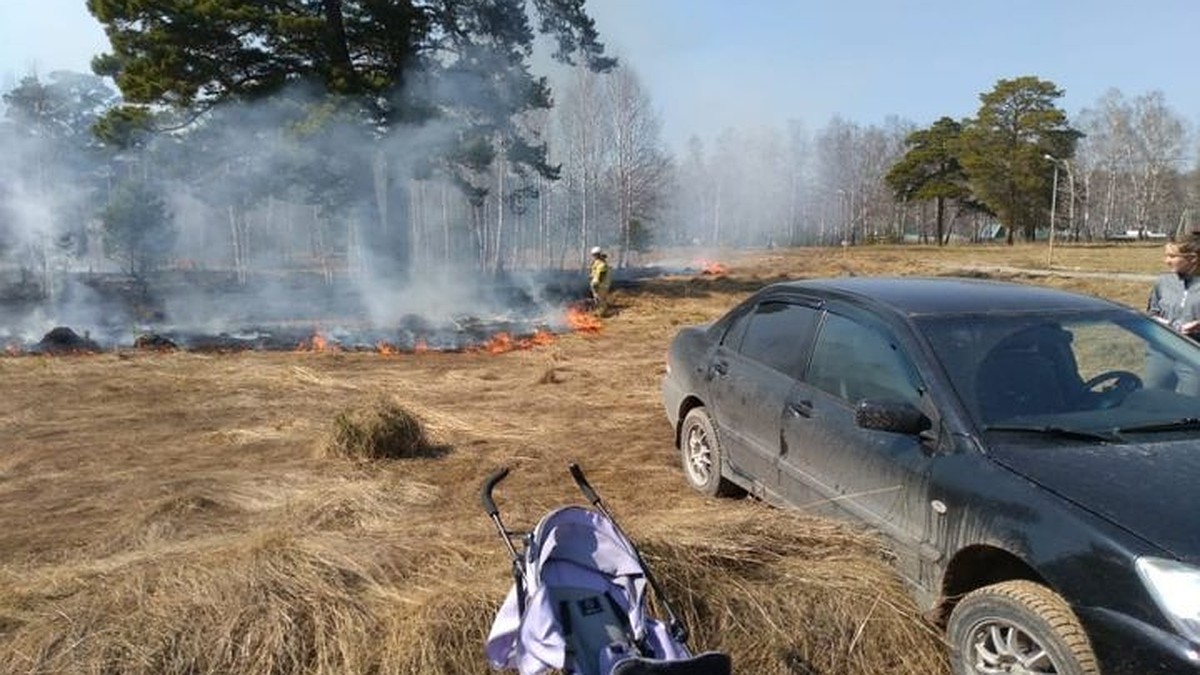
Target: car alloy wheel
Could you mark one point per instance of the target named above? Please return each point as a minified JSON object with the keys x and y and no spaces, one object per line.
{"x":1001,"y":647}
{"x":700,"y":452}
{"x":698,"y":457}
{"x":1018,"y":627}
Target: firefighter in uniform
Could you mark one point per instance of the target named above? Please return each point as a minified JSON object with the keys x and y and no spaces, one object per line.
{"x":600,"y":280}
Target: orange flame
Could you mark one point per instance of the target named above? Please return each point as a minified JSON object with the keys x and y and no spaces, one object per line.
{"x":582,"y":321}
{"x":500,"y":343}
{"x":318,"y":343}
{"x":712,"y":268}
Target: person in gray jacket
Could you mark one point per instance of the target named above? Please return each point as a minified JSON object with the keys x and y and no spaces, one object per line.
{"x":1175,"y":301}
{"x":1175,"y":298}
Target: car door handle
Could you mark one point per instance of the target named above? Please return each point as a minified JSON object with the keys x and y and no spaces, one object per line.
{"x":800,"y":408}
{"x":719,"y":369}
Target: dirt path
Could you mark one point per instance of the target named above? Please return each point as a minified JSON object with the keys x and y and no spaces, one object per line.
{"x":1059,"y":272}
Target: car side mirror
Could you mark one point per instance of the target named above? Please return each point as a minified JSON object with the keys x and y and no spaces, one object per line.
{"x":894,"y":416}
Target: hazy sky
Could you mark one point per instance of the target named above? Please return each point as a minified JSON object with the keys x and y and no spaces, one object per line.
{"x":711,"y":64}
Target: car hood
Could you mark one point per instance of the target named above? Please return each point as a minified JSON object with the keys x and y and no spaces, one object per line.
{"x":1145,"y":489}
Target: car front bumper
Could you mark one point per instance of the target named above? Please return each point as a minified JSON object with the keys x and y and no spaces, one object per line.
{"x":1127,"y":646}
{"x":672,"y":399}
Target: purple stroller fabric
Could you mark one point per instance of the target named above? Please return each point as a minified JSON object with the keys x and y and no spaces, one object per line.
{"x":579,"y":571}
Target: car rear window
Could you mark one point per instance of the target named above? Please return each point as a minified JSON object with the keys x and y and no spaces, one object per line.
{"x":777,"y":335}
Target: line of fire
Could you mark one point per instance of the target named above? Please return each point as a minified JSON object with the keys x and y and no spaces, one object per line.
{"x":517,"y":315}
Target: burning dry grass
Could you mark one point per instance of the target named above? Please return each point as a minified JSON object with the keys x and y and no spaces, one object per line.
{"x":165,"y":512}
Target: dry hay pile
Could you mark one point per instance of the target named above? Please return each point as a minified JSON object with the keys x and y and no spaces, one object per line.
{"x":382,"y":430}
{"x":327,"y":583}
{"x":786,"y":593}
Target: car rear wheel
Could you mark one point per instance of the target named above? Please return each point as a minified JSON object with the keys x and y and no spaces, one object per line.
{"x":700,"y":452}
{"x":1017,"y":627}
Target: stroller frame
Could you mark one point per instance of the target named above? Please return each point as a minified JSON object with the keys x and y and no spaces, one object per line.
{"x":578,"y":599}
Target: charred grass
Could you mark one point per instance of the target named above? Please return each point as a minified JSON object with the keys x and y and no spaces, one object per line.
{"x":167,"y":513}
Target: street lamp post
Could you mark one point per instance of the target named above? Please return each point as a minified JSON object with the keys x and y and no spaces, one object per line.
{"x":1053,"y":210}
{"x":846,"y":215}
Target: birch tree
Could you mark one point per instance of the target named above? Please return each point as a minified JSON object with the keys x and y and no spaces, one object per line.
{"x":1129,"y":163}
{"x":582,"y":134}
{"x":639,"y":166}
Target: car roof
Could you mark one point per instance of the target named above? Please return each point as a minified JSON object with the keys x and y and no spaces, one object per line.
{"x":950,"y":295}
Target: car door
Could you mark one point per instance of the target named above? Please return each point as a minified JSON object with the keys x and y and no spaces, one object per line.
{"x":753,"y":373}
{"x":879,"y":477}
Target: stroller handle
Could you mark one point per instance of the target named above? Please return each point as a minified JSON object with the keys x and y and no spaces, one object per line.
{"x":485,"y":494}
{"x":584,"y":485}
{"x":678,"y":630}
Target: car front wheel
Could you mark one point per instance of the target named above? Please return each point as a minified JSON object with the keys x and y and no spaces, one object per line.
{"x":700,"y":452}
{"x":1018,"y":627}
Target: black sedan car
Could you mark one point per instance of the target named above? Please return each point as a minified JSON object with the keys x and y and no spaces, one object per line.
{"x":1032,"y":455}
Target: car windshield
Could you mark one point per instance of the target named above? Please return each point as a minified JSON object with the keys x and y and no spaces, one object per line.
{"x":1111,"y":372}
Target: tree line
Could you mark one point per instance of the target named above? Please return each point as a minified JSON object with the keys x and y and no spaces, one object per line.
{"x":376,"y":138}
{"x":1124,"y":164}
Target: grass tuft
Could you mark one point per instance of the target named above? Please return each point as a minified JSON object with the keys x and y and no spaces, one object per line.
{"x":379,"y":430}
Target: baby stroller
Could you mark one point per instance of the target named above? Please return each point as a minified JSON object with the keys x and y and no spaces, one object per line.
{"x":578,"y":600}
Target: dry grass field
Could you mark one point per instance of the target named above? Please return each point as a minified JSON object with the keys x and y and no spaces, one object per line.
{"x":183,"y":513}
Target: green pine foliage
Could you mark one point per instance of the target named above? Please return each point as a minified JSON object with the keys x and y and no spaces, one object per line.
{"x":996,"y":162}
{"x":1003,"y":150}
{"x":139,"y":231}
{"x":393,"y":61}
{"x":930,"y":170}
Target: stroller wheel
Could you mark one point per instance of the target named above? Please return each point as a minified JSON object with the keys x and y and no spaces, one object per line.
{"x":700,"y":452}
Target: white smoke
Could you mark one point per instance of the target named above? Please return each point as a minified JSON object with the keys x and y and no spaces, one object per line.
{"x":253,"y":250}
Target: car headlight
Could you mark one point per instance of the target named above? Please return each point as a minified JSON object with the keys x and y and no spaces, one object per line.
{"x":1176,"y":588}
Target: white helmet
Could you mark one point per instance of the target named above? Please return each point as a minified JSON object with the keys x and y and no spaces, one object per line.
{"x":596,"y":250}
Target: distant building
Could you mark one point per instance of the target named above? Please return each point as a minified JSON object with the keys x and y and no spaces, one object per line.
{"x":1134,"y":235}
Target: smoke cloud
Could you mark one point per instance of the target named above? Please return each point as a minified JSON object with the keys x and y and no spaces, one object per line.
{"x":282,"y":228}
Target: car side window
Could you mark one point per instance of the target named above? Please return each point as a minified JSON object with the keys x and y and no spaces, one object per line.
{"x":732,"y":338}
{"x":854,"y":361}
{"x":777,"y":335}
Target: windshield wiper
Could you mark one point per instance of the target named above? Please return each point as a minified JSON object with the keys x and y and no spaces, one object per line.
{"x":1065,"y":432}
{"x":1172,"y":425}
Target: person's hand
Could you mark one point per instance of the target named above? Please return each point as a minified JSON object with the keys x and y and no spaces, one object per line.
{"x":1189,"y":327}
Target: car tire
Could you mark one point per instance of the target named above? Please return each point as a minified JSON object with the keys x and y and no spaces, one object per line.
{"x":701,"y":455}
{"x":1018,"y":624}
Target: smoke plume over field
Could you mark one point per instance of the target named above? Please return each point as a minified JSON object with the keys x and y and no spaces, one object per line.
{"x":277,"y":226}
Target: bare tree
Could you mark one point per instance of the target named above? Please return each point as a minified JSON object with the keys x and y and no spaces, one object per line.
{"x":840,"y":177}
{"x":1159,"y":136}
{"x":639,"y":169}
{"x":1128,"y":163}
{"x":581,"y":139}
{"x":693,"y":195}
{"x":797,"y":172}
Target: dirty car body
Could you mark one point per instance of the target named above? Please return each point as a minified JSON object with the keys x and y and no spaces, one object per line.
{"x":1031,"y":454}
